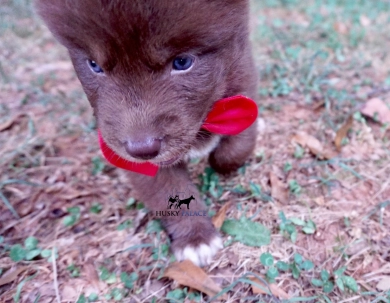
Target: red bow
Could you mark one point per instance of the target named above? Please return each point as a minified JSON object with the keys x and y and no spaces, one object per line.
{"x":229,"y":116}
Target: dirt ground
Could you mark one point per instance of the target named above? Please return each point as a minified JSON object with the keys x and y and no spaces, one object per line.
{"x":322,"y":159}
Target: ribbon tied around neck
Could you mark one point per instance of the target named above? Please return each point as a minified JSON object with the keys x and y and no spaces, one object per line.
{"x":229,"y":116}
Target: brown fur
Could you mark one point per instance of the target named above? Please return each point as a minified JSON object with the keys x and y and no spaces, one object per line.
{"x":135,"y":42}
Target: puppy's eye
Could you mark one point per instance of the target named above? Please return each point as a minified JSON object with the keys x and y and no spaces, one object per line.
{"x":182,"y":63}
{"x":94,"y":67}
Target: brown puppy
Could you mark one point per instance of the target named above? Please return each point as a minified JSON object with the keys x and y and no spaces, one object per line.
{"x":152,"y":70}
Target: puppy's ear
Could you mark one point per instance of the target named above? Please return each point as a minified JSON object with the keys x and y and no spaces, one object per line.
{"x":50,"y":12}
{"x":60,"y":18}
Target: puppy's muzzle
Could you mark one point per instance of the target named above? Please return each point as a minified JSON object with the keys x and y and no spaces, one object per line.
{"x":145,"y":149}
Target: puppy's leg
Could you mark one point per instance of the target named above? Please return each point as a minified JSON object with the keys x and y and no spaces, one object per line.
{"x":192,"y":237}
{"x":233,"y":151}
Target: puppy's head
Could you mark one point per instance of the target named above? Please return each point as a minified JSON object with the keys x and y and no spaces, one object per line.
{"x":151,"y":68}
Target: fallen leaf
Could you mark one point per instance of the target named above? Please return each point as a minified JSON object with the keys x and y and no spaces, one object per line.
{"x":91,"y":275}
{"x":69,"y":293}
{"x":340,"y":27}
{"x":278,"y":188}
{"x":10,"y":122}
{"x":315,"y":146}
{"x":188,"y":274}
{"x":56,"y":187}
{"x":377,"y":109}
{"x":309,"y":141}
{"x":357,"y":246}
{"x":10,"y":277}
{"x":224,"y":196}
{"x":275,"y":290}
{"x":342,"y":132}
{"x":220,"y":216}
{"x":384,"y":284}
{"x":73,"y":194}
{"x":320,"y":200}
{"x":318,"y":106}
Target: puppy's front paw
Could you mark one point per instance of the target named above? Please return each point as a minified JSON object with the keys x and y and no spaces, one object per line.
{"x":194,"y":239}
{"x":200,"y":254}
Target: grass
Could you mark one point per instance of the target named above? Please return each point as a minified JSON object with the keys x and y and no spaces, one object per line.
{"x":71,"y":228}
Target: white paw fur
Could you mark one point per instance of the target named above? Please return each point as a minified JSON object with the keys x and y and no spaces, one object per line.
{"x":200,"y":255}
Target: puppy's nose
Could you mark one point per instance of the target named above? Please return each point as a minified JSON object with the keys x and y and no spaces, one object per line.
{"x":145,"y":149}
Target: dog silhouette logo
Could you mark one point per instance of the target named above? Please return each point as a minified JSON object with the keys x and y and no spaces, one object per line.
{"x":178,"y":205}
{"x":176,"y":202}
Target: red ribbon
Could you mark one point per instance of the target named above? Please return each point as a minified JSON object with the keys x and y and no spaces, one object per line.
{"x":229,"y":116}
